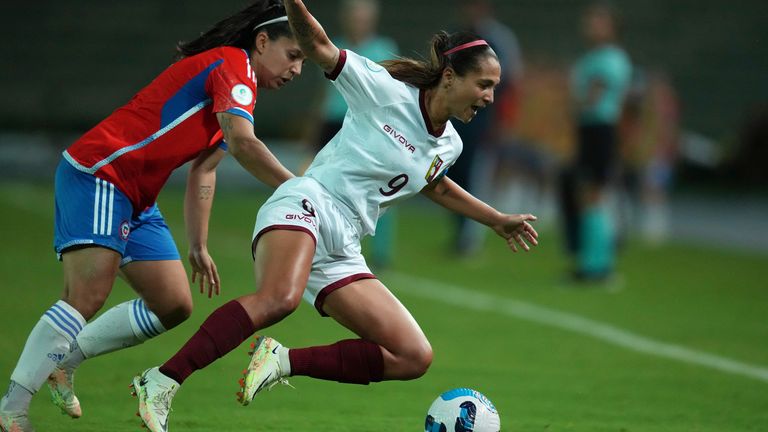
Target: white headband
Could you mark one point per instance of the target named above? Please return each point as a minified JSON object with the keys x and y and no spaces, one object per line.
{"x":272,"y":21}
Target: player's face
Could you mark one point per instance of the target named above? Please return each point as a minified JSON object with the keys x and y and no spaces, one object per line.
{"x":474,"y":90}
{"x":280,"y":61}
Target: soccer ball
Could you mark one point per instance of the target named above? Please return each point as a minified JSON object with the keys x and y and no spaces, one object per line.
{"x":462,"y":410}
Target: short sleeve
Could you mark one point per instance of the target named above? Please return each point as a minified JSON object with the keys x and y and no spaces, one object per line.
{"x":363,"y":83}
{"x":232,"y":86}
{"x":218,"y":140}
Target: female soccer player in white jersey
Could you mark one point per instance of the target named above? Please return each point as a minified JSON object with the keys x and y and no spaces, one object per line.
{"x":106,"y":185}
{"x":396,"y":141}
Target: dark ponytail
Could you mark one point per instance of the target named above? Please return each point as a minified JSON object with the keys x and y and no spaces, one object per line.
{"x":426,"y":74}
{"x":238,"y":29}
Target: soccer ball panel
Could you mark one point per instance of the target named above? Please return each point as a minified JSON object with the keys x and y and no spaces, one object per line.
{"x":462,"y":410}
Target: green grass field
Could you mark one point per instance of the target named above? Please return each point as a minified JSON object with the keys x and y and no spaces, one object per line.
{"x":541,"y":375}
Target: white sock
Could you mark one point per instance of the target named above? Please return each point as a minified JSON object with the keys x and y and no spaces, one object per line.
{"x":16,"y":399}
{"x":125,"y":325}
{"x":46,"y":345}
{"x":285,"y":361}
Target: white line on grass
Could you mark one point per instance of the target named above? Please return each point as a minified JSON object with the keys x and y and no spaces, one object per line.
{"x":465,"y":298}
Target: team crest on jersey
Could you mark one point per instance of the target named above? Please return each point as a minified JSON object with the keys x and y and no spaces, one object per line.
{"x":125,"y":229}
{"x":242,"y":94}
{"x":434,"y":169}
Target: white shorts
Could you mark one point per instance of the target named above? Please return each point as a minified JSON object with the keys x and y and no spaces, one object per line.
{"x":301,"y":204}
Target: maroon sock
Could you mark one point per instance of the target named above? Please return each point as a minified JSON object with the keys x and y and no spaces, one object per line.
{"x":222,"y":331}
{"x":354,"y":361}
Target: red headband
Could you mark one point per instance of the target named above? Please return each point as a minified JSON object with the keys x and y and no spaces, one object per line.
{"x":465,"y":46}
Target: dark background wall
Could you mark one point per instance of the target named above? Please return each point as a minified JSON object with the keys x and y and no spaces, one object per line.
{"x":66,"y":64}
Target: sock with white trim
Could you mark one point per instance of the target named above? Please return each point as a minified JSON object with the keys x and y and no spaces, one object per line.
{"x":125,"y":325}
{"x":46,"y":345}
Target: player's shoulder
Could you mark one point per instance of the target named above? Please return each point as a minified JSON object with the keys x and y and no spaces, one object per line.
{"x":452,"y":137}
{"x":232,"y":52}
{"x":616,"y":58}
{"x":359,"y":60}
{"x":227,"y":54}
{"x":374,"y":70}
{"x":451,"y":133}
{"x":232,"y":59}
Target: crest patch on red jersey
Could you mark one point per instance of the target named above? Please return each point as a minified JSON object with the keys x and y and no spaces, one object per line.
{"x":242,"y":94}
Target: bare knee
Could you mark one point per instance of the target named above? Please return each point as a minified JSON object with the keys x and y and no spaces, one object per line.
{"x":421,"y":361}
{"x":269,"y":306}
{"x":89,"y":274}
{"x":87,"y":302}
{"x":177,"y":314}
{"x":184,"y":310}
{"x":416,"y":361}
{"x":286,"y":303}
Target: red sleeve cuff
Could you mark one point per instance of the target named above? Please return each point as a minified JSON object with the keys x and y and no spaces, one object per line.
{"x":339,"y":66}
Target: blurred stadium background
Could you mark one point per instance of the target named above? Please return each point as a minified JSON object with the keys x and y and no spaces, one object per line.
{"x":678,"y":345}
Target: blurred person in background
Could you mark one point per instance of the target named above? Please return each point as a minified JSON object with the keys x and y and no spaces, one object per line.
{"x":359,"y":21}
{"x":475,"y":169}
{"x":648,"y":130}
{"x":599,"y":82}
{"x":107,"y":222}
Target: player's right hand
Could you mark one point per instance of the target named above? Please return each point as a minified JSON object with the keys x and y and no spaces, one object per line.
{"x":517,"y":231}
{"x":204,"y":271}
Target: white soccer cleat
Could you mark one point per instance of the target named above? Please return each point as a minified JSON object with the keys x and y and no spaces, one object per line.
{"x":263,"y":371}
{"x":15,"y":422}
{"x":155,"y":392}
{"x":62,"y":386}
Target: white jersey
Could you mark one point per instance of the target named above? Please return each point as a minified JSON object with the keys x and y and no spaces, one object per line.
{"x":386,"y":151}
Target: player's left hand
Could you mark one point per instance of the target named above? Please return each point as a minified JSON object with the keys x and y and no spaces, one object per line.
{"x":204,"y":270}
{"x":517,"y":231}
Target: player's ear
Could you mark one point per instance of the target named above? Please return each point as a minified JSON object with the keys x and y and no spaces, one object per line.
{"x":448,"y":76}
{"x":260,"y":44}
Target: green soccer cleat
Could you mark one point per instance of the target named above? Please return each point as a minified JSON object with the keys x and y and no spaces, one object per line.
{"x":155,"y":392}
{"x":263,"y":371}
{"x":62,"y":386}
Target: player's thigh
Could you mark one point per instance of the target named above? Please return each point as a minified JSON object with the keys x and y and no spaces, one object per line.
{"x":89,"y":273}
{"x":282,"y":262}
{"x":370,"y":310}
{"x":285,"y":237}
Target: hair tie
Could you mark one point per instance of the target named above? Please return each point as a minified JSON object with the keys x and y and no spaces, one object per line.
{"x":272,"y":21}
{"x":465,"y":46}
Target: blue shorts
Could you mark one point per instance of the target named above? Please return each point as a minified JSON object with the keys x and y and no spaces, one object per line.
{"x":92,"y":211}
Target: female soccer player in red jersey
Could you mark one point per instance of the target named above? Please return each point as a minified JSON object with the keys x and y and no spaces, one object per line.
{"x":396,"y":141}
{"x":107,"y":222}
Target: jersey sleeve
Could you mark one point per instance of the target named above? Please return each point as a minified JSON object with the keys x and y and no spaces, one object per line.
{"x":363,"y":83}
{"x":232,"y":86}
{"x":218,"y":140}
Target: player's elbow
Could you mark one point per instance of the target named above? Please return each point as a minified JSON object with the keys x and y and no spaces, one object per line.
{"x":241,"y":146}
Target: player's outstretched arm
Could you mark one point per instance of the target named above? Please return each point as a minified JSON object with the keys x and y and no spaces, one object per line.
{"x":250,"y":152}
{"x":312,"y":39}
{"x":201,"y":185}
{"x":514,"y":228}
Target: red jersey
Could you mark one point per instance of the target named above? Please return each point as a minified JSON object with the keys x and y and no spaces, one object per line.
{"x":169,"y":122}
